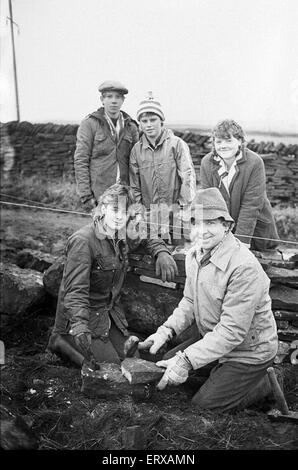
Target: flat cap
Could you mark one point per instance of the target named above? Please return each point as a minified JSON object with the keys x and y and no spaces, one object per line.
{"x":112,"y":85}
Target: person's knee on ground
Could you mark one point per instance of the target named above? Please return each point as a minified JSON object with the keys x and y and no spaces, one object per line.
{"x":234,"y":386}
{"x":262,"y":390}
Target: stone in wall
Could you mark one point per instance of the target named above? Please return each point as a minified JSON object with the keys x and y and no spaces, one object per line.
{"x":147,"y":306}
{"x":48,"y":149}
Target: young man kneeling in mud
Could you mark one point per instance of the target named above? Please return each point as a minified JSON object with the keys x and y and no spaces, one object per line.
{"x":226,"y":295}
{"x":90,"y":323}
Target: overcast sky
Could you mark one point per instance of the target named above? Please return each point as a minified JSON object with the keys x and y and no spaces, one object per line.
{"x":203,"y":59}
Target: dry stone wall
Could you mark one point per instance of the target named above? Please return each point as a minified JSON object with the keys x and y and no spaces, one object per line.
{"x":47,"y":150}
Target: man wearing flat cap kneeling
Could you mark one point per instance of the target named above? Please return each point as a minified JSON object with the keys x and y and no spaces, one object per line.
{"x":104,"y":141}
{"x":226,"y":298}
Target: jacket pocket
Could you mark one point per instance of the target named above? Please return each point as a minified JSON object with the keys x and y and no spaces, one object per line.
{"x":100,"y":136}
{"x":102,"y":273}
{"x":106,"y":262}
{"x":103,"y":145}
{"x":99,"y":322}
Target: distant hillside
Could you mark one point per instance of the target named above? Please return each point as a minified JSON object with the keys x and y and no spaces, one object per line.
{"x":258,"y":136}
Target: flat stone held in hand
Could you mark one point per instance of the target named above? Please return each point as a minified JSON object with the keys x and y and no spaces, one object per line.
{"x":107,"y":379}
{"x":139,"y":371}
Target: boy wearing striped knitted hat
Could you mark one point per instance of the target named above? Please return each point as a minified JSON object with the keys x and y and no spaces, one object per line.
{"x":161,"y":170}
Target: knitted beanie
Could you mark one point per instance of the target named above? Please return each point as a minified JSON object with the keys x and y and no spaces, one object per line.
{"x":150,"y":105}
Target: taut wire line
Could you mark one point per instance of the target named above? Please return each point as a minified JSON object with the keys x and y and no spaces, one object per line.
{"x":151,"y":223}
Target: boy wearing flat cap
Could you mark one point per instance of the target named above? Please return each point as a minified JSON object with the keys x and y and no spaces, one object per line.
{"x":226,"y":298}
{"x":161,"y":170}
{"x":104,"y":141}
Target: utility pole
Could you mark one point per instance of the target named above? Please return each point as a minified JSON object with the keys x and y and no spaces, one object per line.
{"x":14,"y":61}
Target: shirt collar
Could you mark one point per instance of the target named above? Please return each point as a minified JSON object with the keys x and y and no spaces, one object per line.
{"x":147,"y":144}
{"x":222,"y":256}
{"x":221,"y":160}
{"x":221,"y":253}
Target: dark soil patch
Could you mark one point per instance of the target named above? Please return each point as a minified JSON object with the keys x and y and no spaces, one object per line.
{"x":47,"y":391}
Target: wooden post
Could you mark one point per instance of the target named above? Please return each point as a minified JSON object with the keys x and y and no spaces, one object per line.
{"x":14,"y":61}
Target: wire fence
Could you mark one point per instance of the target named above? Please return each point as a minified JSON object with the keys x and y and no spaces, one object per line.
{"x":67,"y":211}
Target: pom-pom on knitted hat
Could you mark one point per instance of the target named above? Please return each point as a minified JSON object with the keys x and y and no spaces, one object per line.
{"x":150,"y":105}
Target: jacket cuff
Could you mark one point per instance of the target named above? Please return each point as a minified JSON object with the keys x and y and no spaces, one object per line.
{"x":160,"y":249}
{"x":190,"y":356}
{"x":77,"y":315}
{"x":79,"y":328}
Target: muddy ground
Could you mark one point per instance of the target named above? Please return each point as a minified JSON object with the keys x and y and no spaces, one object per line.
{"x":46,"y":390}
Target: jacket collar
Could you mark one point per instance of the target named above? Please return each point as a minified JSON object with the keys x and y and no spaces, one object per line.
{"x":222,"y":256}
{"x":166,"y":134}
{"x":216,"y":160}
{"x":100,"y":115}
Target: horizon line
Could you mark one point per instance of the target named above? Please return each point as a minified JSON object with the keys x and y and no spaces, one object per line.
{"x":189,"y":126}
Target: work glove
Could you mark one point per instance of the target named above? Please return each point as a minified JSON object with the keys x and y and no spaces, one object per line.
{"x":177,"y":369}
{"x":154,"y":342}
{"x":82,"y":340}
{"x":166,"y":266}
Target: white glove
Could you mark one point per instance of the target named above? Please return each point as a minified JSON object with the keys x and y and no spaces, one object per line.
{"x":177,"y":369}
{"x":157,"y":340}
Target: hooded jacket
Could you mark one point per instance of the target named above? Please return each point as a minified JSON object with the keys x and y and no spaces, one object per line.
{"x":164,"y":175}
{"x":98,"y":154}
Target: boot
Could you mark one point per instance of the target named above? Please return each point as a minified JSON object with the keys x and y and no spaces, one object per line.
{"x":59,"y":345}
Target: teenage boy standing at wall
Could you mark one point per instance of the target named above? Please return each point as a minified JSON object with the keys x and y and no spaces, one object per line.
{"x":161,"y":170}
{"x":104,"y":141}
